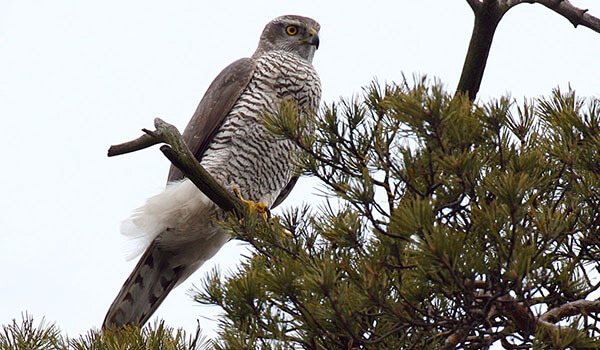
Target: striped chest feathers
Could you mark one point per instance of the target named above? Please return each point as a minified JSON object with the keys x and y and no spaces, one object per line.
{"x":279,"y":76}
{"x":243,"y":151}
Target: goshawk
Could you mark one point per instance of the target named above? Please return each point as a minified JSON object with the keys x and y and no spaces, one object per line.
{"x":227,"y":136}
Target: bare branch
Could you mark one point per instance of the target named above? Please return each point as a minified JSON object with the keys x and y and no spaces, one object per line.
{"x":488,"y":14}
{"x":573,"y":308}
{"x":179,"y":154}
{"x":475,"y":4}
{"x":508,"y":345}
{"x":476,"y":284}
{"x":141,"y":142}
{"x":455,"y":338}
{"x":574,"y":14}
{"x":525,"y":321}
{"x":564,"y":8}
{"x":518,"y":312}
{"x":203,"y":180}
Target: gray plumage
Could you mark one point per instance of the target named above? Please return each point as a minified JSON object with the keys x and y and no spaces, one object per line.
{"x":226,"y":134}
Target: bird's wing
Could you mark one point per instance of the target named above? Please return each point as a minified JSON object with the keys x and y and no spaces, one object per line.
{"x":285,"y":191}
{"x":218,"y":100}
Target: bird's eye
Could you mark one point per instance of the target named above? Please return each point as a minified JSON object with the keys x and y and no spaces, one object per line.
{"x":291,"y":30}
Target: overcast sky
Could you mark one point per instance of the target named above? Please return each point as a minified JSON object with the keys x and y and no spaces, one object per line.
{"x":77,"y":76}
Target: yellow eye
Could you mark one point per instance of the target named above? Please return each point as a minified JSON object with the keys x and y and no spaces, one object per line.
{"x":291,"y":30}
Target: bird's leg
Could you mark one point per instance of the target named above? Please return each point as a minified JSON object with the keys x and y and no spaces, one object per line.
{"x":261,"y":208}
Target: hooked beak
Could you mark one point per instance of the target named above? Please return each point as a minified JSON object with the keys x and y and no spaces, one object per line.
{"x":313,"y":38}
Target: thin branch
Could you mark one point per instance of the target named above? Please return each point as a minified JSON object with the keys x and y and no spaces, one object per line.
{"x":573,"y":308}
{"x":508,"y":345}
{"x":455,"y":338}
{"x":203,"y":180}
{"x":574,"y":14}
{"x":179,"y":154}
{"x":518,"y":312}
{"x":141,"y":142}
{"x":525,"y":321}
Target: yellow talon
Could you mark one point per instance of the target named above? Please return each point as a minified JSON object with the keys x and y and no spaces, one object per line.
{"x":261,"y":208}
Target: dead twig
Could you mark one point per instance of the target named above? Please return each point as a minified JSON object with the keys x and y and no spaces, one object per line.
{"x":179,"y":154}
{"x":574,"y":14}
{"x":578,"y":307}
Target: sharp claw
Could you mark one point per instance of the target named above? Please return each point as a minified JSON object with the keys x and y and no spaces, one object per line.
{"x":261,"y":208}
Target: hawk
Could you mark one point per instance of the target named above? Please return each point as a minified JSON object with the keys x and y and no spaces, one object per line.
{"x":227,"y":136}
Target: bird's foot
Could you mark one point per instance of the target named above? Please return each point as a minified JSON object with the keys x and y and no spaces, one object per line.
{"x":259,"y":207}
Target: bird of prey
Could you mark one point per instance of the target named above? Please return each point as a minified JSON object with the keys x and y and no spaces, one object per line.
{"x":227,"y":136}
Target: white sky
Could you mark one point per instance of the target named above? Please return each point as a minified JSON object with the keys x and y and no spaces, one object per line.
{"x":76,"y":77}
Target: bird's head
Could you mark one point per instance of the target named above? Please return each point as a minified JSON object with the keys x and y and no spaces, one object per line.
{"x":291,"y":33}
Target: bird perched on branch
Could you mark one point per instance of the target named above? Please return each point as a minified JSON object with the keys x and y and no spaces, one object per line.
{"x":227,"y":136}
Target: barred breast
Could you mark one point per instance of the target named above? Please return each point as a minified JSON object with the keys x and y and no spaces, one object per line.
{"x":243,"y":152}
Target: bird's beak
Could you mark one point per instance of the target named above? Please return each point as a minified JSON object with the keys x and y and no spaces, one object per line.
{"x":313,"y":38}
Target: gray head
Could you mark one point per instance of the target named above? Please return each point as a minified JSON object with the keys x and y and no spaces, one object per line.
{"x":290,"y":33}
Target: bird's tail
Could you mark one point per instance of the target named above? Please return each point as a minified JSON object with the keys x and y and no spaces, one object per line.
{"x":177,"y":225}
{"x":144,"y":290}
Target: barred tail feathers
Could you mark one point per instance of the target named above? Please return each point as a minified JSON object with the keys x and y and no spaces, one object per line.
{"x":144,"y":290}
{"x":178,"y":235}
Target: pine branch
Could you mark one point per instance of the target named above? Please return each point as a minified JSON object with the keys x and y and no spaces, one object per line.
{"x":180,"y":155}
{"x":455,"y":338}
{"x":518,"y":312}
{"x":573,"y":308}
{"x":526,"y":323}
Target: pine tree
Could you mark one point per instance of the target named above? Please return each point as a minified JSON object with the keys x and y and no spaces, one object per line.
{"x":450,"y":223}
{"x":26,"y":334}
